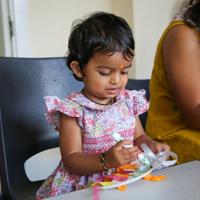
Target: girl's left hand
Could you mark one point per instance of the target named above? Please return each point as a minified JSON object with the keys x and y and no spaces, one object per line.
{"x":157,"y":147}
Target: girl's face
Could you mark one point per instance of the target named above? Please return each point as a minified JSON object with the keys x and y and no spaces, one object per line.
{"x":105,"y":76}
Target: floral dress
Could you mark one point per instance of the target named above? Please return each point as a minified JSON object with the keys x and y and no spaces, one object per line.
{"x":98,"y":123}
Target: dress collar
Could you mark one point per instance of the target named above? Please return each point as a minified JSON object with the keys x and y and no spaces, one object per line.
{"x":81,"y":99}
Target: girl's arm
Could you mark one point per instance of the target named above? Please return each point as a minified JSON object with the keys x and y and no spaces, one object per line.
{"x":181,"y":50}
{"x":141,"y":137}
{"x":76,"y":162}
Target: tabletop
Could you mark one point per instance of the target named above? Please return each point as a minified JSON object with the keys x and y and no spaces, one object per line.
{"x":183,"y":183}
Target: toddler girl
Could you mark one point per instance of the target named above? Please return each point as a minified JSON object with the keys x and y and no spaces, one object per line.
{"x":101,"y":50}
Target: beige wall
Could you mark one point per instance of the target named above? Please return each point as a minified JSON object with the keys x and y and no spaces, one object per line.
{"x":50,"y":22}
{"x":151,"y":17}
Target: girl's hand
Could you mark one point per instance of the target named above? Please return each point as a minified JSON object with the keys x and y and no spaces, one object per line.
{"x":157,"y":147}
{"x":118,"y":156}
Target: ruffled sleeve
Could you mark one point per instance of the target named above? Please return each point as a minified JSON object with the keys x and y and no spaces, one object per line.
{"x":55,"y":106}
{"x":137,"y":102}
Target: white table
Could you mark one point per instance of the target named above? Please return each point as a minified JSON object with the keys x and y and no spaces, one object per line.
{"x":183,"y":183}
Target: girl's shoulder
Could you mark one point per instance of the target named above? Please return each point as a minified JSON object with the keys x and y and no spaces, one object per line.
{"x":135,"y":101}
{"x":131,"y":94}
{"x":69,"y":106}
{"x":69,"y":103}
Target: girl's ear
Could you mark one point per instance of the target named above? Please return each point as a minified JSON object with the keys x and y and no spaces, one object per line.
{"x":76,"y":68}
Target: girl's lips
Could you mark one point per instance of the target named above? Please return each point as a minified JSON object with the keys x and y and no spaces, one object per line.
{"x":113,"y":91}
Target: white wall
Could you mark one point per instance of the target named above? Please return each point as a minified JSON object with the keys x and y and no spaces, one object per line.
{"x":50,"y":22}
{"x":151,"y":17}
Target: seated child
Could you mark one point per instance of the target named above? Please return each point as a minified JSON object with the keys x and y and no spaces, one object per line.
{"x":100,"y":53}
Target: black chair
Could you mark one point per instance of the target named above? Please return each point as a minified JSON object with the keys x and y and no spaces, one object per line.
{"x":23,"y":128}
{"x":24,"y":131}
{"x":134,"y":84}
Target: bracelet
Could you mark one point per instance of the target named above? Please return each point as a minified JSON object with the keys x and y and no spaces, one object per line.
{"x":103,"y":162}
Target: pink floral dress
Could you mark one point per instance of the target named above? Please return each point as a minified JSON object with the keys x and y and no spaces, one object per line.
{"x":98,"y":123}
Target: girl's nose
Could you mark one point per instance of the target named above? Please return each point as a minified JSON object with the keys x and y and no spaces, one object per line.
{"x":115,"y":78}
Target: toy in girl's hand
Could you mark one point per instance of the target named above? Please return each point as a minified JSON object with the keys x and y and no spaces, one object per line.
{"x":147,"y":163}
{"x":117,"y":137}
{"x":155,"y":158}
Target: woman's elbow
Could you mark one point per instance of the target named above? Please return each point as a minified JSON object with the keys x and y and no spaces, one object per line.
{"x":193,"y":122}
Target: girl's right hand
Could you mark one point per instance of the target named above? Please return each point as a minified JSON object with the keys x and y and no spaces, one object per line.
{"x":118,"y":156}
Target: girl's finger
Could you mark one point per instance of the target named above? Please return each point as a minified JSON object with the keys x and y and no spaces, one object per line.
{"x":123,"y":143}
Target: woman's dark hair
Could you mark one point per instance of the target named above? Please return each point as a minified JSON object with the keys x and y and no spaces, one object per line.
{"x":190,"y":2}
{"x":193,"y":14}
{"x":100,"y":32}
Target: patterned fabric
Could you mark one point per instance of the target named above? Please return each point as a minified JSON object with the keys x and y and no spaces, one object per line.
{"x":180,"y":16}
{"x":98,"y":122}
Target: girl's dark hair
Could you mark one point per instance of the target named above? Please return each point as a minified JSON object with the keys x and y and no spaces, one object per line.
{"x":193,"y":14}
{"x":100,"y":32}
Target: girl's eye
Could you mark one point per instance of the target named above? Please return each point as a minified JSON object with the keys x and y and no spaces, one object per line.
{"x":124,"y":72}
{"x":104,"y":74}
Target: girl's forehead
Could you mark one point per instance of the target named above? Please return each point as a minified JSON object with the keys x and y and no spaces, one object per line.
{"x":114,"y":61}
{"x":114,"y":57}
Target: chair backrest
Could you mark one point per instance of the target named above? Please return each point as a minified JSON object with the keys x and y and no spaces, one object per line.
{"x":23,"y":128}
{"x":134,"y":84}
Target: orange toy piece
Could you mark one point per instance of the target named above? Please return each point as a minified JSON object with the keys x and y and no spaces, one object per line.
{"x":149,"y":177}
{"x":128,"y":166}
{"x":107,"y":179}
{"x":122,"y":188}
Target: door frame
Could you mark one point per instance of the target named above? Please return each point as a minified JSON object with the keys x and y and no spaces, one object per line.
{"x":5,"y":37}
{"x":16,"y":19}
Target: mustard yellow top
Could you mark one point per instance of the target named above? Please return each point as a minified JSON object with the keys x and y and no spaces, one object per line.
{"x":164,"y":121}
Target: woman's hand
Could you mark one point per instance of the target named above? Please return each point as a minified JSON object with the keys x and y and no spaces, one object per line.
{"x":118,"y":156}
{"x":156,"y":147}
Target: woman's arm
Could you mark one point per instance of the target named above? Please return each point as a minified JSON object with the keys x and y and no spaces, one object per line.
{"x":181,"y":50}
{"x":76,"y":162}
